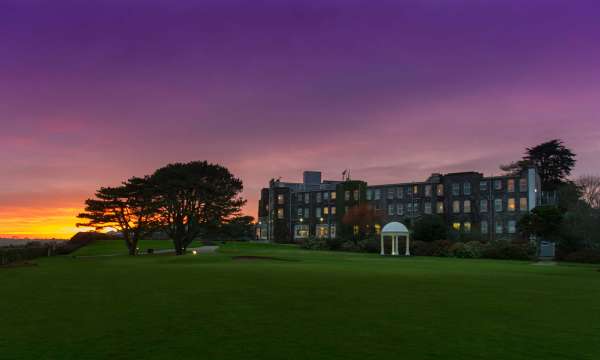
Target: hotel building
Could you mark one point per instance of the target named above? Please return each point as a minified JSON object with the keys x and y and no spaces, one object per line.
{"x":487,"y":208}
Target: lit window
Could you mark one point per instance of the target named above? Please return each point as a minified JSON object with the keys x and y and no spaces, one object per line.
{"x":325,"y":211}
{"x":318,"y":197}
{"x":483,"y":186}
{"x":484,"y":227}
{"x":499,"y":227}
{"x":322,"y":231}
{"x":510,"y":185}
{"x":523,"y":204}
{"x":377,"y":194}
{"x":356,"y":229}
{"x":369,"y":195}
{"x":280,"y":213}
{"x":391,"y":209}
{"x":467,"y":188}
{"x":483,"y":206}
{"x":415,"y":189}
{"x":498,"y":205}
{"x":300,"y":231}
{"x":512,"y":206}
{"x":333,"y":196}
{"x":439,"y":190}
{"x":428,"y":190}
{"x":439,"y":207}
{"x":498,"y":184}
{"x":280,"y":199}
{"x":347,"y":195}
{"x":456,"y":206}
{"x":332,"y":231}
{"x":307,"y":213}
{"x":456,"y":226}
{"x":523,"y":185}
{"x":512,"y":226}
{"x":333,"y":210}
{"x":400,"y":209}
{"x":318,"y":212}
{"x":455,"y":189}
{"x":467,"y":227}
{"x":427,"y":208}
{"x":377,"y":229}
{"x":307,"y":198}
{"x":467,"y":206}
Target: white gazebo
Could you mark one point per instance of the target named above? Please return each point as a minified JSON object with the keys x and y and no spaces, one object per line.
{"x":395,"y":229}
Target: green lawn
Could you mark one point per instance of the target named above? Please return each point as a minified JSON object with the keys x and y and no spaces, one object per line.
{"x":317,"y":305}
{"x":112,"y":247}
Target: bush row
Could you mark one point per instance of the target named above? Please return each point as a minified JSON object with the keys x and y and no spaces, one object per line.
{"x":22,"y":253}
{"x":442,"y":248}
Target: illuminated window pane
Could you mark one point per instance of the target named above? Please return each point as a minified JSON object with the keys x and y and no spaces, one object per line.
{"x":467,"y":227}
{"x":456,"y":226}
{"x":512,"y":206}
{"x":523,"y":204}
{"x":467,"y":206}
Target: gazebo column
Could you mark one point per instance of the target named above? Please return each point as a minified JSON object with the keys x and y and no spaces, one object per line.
{"x":382,"y":248}
{"x":407,"y":245}
{"x":395,"y":245}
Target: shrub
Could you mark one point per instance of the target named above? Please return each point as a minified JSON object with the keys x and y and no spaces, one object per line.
{"x":468,"y":250}
{"x":441,"y":248}
{"x":589,"y":256}
{"x":509,"y":251}
{"x":21,"y":253}
{"x":313,"y":243}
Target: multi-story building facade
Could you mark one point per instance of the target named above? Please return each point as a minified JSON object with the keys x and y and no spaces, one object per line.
{"x":471,"y":204}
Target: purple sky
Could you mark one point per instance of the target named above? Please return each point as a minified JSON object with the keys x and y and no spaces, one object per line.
{"x":92,"y":92}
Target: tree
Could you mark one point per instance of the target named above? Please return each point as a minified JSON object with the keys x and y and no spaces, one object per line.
{"x":553,"y":160}
{"x":128,"y":209}
{"x":193,"y":198}
{"x":429,"y":228}
{"x":590,"y":190}
{"x":543,"y":221}
{"x":238,"y":228}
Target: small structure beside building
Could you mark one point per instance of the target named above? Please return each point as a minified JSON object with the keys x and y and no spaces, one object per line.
{"x":395,"y":230}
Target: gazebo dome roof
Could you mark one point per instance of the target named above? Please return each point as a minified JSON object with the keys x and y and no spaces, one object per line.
{"x":394,"y":228}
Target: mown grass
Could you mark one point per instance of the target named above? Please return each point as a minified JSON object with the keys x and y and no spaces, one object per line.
{"x":118,"y":247}
{"x":320,"y":305}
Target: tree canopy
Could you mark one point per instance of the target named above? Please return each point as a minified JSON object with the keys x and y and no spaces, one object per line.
{"x":128,"y":208}
{"x":553,"y":160}
{"x":193,"y":197}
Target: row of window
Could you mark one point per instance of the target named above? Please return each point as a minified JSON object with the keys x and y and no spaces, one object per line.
{"x":319,"y":197}
{"x":400,"y":192}
{"x":456,"y":207}
{"x":511,"y":227}
{"x":319,"y":212}
{"x":511,"y":205}
{"x":322,"y":231}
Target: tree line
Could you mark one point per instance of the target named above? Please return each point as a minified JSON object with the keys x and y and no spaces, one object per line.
{"x":183,"y":200}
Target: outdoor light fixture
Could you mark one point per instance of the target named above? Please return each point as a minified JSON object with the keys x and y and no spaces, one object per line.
{"x":321,"y":219}
{"x":194,"y":252}
{"x":301,"y":219}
